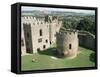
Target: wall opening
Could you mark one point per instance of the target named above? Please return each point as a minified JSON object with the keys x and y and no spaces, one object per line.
{"x":50,"y":42}
{"x":38,"y":49}
{"x":70,"y":46}
{"x":40,"y":32}
{"x":39,"y":40}
{"x":28,"y":50}
{"x":46,"y":41}
{"x":44,"y":46}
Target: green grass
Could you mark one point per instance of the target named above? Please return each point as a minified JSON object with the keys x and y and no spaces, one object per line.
{"x":44,"y":61}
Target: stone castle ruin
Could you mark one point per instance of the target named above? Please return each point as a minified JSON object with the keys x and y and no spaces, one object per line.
{"x":38,"y":34}
{"x":67,"y":43}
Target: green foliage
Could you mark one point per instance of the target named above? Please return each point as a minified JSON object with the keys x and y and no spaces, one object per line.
{"x":44,"y":61}
{"x":70,"y":22}
{"x":86,"y":24}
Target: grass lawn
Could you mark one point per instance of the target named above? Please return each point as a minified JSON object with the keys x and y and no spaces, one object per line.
{"x":45,"y":61}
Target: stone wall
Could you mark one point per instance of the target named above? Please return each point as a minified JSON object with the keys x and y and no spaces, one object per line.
{"x":23,"y":44}
{"x":38,"y":41}
{"x":42,"y":33}
{"x":67,"y":43}
{"x":28,"y":37}
{"x":86,"y":40}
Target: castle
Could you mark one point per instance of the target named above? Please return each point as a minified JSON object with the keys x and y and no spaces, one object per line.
{"x":38,"y":33}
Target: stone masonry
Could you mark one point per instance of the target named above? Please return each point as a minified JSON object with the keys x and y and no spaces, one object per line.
{"x":67,"y":43}
{"x":38,"y":34}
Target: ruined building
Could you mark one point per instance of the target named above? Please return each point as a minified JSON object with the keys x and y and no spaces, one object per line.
{"x":38,"y":34}
{"x":67,"y":43}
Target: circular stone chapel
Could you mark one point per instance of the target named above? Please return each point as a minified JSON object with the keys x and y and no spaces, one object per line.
{"x":67,"y":43}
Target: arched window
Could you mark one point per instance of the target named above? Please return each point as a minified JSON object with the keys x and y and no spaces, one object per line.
{"x":40,"y":32}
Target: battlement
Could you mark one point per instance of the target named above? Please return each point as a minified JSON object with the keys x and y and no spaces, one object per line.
{"x":68,"y":32}
{"x":33,"y":18}
{"x":47,"y":20}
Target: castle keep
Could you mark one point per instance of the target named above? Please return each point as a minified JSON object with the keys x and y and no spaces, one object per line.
{"x":38,"y":33}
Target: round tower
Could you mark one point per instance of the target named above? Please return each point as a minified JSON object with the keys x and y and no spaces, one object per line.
{"x":67,"y":43}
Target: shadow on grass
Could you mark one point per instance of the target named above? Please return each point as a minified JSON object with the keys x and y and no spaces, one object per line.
{"x":92,"y":57}
{"x":50,"y":52}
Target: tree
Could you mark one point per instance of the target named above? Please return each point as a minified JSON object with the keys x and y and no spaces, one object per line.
{"x":86,"y":24}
